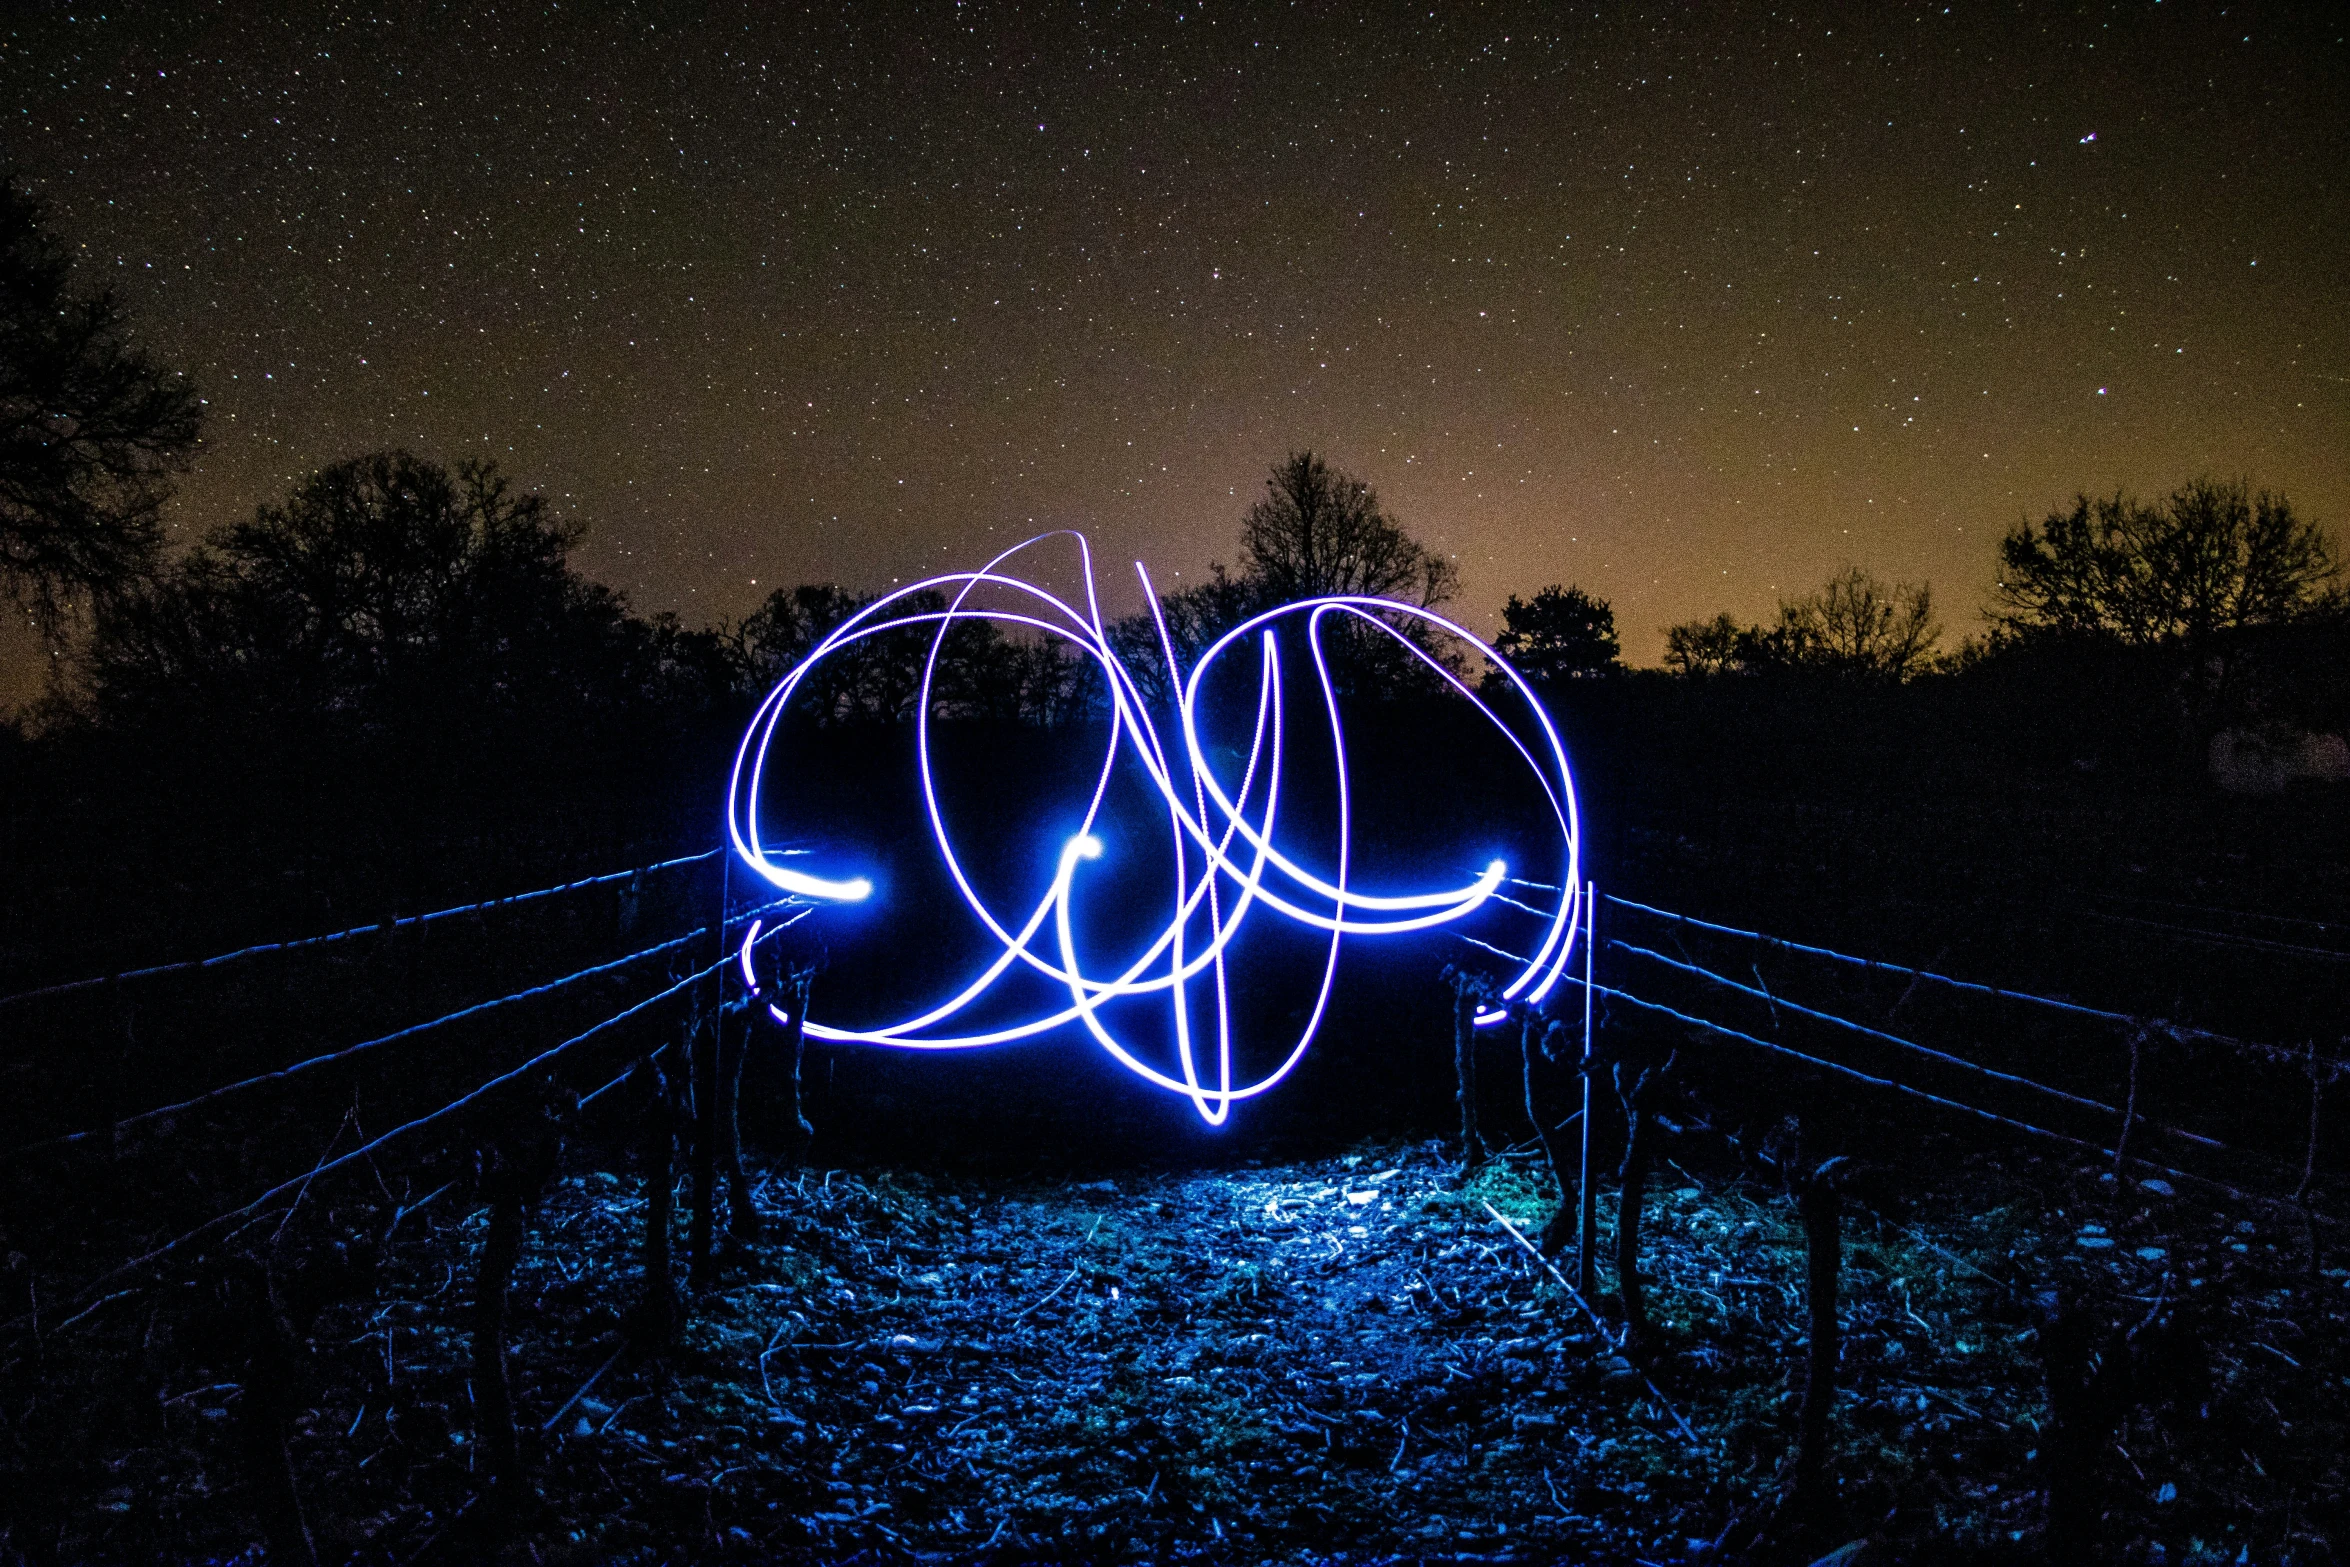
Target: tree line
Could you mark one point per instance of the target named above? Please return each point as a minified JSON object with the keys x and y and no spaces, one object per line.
{"x":388,"y":591}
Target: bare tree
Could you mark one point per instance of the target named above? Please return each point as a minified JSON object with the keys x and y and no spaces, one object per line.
{"x":1854,"y":626}
{"x":1707,"y":647}
{"x":1857,"y":625}
{"x":1318,"y":532}
{"x":2210,"y":557}
{"x":1194,"y":617}
{"x":981,"y":672}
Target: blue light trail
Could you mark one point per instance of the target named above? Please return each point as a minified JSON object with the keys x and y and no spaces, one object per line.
{"x":1226,"y":856}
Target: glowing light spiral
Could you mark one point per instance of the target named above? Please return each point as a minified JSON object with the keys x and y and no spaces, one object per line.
{"x":1228,"y":861}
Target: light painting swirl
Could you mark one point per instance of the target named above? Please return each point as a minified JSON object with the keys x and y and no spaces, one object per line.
{"x":1228,"y":862}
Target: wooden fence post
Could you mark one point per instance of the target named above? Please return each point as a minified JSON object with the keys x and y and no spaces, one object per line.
{"x":799,"y":983}
{"x":742,"y":1216}
{"x":1587,"y":1216}
{"x":702,"y":1054}
{"x":1820,"y":1204}
{"x":657,"y":1311}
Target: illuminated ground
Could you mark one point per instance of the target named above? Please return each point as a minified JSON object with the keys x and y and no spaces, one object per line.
{"x":1336,"y":1360}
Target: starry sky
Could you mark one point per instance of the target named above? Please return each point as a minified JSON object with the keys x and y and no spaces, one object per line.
{"x":1692,"y":306}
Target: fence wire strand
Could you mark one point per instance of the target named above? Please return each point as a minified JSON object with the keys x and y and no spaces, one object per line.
{"x":286,"y":1074}
{"x":1709,"y":1026}
{"x":2321,"y":1069}
{"x":257,"y":1206}
{"x":2181,"y":1032}
{"x":260,"y":949}
{"x":2118,"y":1153}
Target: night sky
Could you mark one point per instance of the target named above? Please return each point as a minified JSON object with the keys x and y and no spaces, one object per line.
{"x":1690,"y":306}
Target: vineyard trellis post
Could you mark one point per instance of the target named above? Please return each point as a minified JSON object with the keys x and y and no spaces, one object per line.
{"x":657,"y":1310}
{"x":797,"y":984}
{"x":2121,"y":1144}
{"x":1819,"y":1203}
{"x":1468,"y":992}
{"x":701,"y":1052}
{"x":1587,"y":1214}
{"x":742,"y":1218}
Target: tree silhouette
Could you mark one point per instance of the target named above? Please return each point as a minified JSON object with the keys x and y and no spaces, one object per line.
{"x":385,"y":592}
{"x":1854,"y":627}
{"x":2208,"y":558}
{"x":89,"y":427}
{"x":1316,"y":532}
{"x":980,"y":672}
{"x":1562,"y":633}
{"x":1319,"y":532}
{"x":785,"y":628}
{"x":1194,"y":617}
{"x":1720,"y":646}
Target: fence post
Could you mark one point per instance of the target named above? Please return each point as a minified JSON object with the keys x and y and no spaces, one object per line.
{"x":742,"y":1218}
{"x":702,"y":1056}
{"x":1530,"y":1023}
{"x":1587,"y":1219}
{"x":799,"y":983}
{"x":1820,"y":1204}
{"x":2121,"y":1144}
{"x":1467,"y":990}
{"x":658,"y":1310}
{"x":701,"y":1048}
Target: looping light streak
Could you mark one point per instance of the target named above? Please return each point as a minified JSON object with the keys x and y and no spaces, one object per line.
{"x":1225,"y":855}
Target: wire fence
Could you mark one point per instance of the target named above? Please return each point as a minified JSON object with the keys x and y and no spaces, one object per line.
{"x":2332,"y":1065}
{"x":280,"y":1076}
{"x":1839,"y":1069}
{"x":1991,"y":1079}
{"x":223,"y":1224}
{"x":379,"y":928}
{"x":479,"y":1115}
{"x":2319,"y":1069}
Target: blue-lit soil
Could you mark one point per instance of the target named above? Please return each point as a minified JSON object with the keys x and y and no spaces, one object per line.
{"x":1340,"y":1359}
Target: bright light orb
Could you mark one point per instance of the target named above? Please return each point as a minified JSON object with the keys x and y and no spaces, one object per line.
{"x":1228,"y":860}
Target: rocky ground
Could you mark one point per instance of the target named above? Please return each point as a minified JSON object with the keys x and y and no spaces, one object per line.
{"x":1338,"y":1360}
